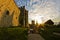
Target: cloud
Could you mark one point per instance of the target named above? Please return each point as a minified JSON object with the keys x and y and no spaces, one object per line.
{"x":49,"y":9}
{"x":43,"y":8}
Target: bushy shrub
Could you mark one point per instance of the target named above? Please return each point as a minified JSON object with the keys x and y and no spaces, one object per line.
{"x":13,"y":34}
{"x":48,"y":31}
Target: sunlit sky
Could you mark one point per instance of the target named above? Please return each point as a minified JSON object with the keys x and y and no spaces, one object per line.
{"x":41,"y":10}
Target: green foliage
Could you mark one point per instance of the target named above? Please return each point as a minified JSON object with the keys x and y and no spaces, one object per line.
{"x":48,"y":31}
{"x":13,"y":34}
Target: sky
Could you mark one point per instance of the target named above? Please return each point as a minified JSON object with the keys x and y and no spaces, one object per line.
{"x":41,"y":10}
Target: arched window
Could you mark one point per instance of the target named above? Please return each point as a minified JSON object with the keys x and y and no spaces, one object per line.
{"x":16,"y":17}
{"x":7,"y":12}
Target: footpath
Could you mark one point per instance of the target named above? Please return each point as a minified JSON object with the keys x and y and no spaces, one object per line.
{"x":35,"y":37}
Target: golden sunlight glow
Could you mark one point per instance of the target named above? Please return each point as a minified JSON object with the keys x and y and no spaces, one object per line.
{"x":38,"y":19}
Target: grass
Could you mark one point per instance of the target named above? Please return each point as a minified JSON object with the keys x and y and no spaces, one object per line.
{"x":13,"y":34}
{"x":47,"y":33}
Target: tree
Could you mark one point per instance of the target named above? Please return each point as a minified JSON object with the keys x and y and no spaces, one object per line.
{"x":50,"y":22}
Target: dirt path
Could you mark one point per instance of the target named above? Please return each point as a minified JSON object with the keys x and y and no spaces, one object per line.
{"x":34,"y":37}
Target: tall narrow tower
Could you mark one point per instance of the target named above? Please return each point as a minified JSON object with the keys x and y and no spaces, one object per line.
{"x":23,"y":18}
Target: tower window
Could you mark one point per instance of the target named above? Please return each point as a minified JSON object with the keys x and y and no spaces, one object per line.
{"x":16,"y":17}
{"x":7,"y":12}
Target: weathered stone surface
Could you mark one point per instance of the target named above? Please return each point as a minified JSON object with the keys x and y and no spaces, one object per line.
{"x":11,"y":6}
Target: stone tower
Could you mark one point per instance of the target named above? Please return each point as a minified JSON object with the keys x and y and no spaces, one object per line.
{"x":23,"y":16}
{"x":11,"y":7}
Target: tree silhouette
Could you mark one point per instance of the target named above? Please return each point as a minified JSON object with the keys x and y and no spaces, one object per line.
{"x":50,"y":22}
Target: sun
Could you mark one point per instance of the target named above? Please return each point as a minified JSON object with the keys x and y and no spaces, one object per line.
{"x":38,"y":19}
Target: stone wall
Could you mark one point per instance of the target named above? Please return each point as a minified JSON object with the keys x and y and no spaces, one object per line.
{"x":11,"y":7}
